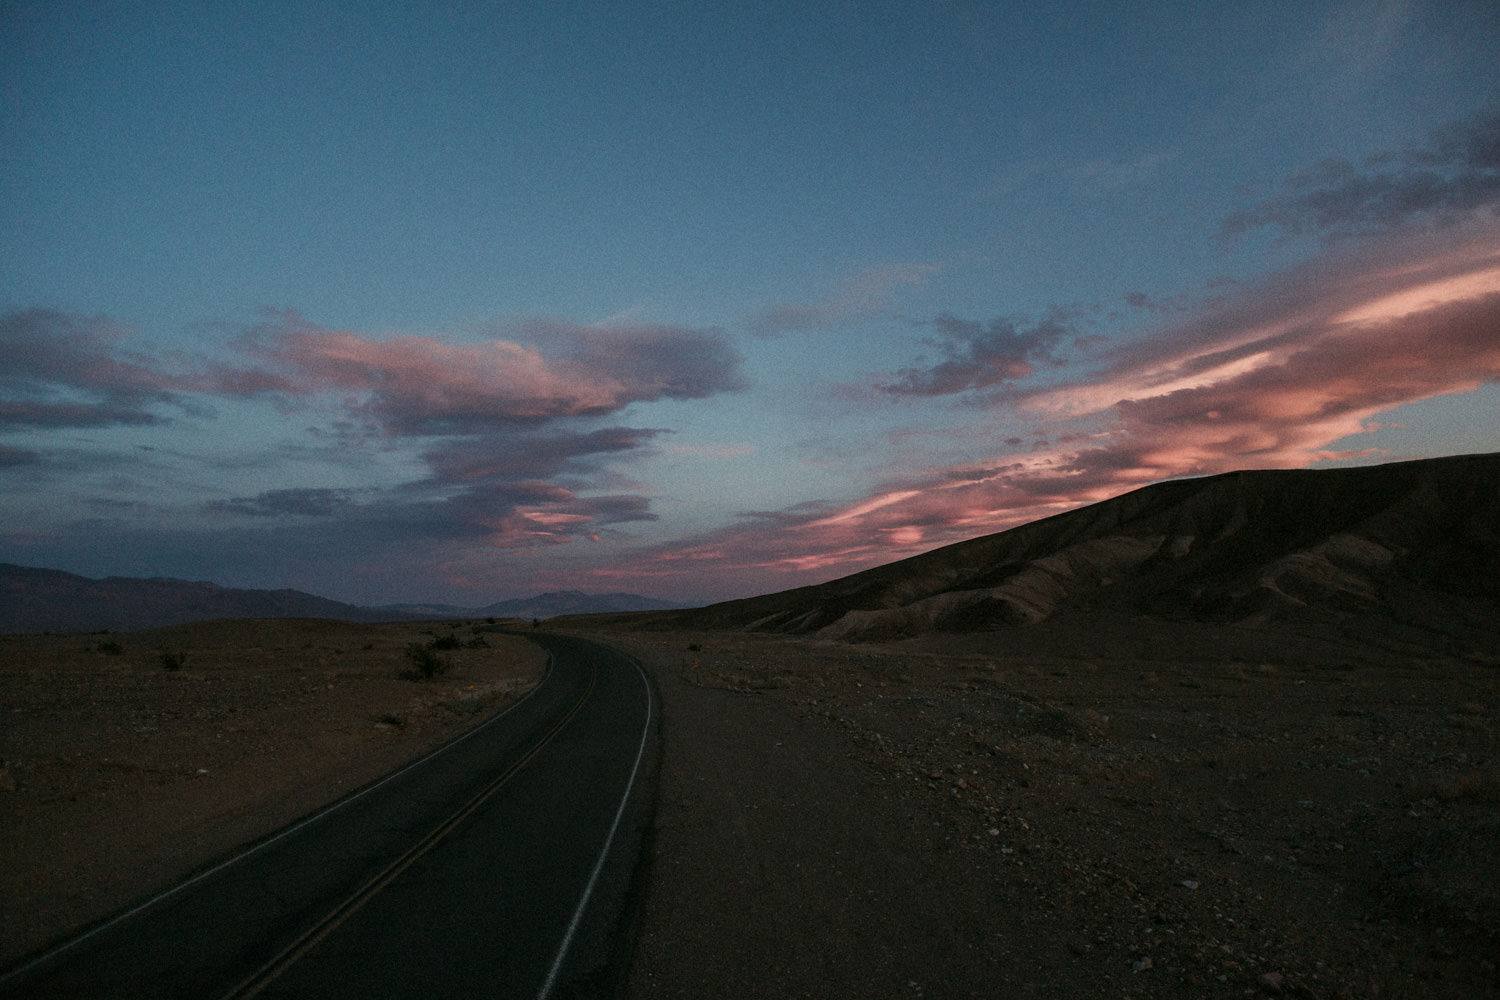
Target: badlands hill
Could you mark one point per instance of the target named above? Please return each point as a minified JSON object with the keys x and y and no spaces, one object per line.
{"x":1413,"y":547}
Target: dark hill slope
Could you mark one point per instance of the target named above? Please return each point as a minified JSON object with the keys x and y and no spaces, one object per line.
{"x":1405,"y":542}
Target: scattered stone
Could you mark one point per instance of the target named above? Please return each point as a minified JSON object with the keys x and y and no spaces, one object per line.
{"x":1142,"y":965}
{"x":1270,"y":982}
{"x":1188,"y":883}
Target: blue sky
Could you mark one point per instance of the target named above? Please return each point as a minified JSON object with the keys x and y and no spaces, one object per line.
{"x":388,"y":302}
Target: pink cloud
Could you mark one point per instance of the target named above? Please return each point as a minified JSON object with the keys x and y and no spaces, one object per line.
{"x":509,"y":423}
{"x":422,"y":385}
{"x":1279,"y":376}
{"x":529,"y":515}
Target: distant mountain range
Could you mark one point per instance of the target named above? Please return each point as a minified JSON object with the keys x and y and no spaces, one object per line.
{"x":548,"y":605}
{"x":37,"y":600}
{"x":1409,"y":549}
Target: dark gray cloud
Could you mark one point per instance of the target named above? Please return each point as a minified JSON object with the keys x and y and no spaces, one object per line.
{"x":1455,"y":175}
{"x":305,"y":502}
{"x":71,"y":371}
{"x":980,"y":356}
{"x":16,"y":456}
{"x":508,"y":421}
{"x":529,"y":456}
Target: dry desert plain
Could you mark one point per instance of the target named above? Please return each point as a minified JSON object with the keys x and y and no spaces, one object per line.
{"x":119,"y":776}
{"x":1074,"y":809}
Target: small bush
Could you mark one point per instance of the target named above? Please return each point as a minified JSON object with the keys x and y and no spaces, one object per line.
{"x":449,"y":641}
{"x":425,"y":664}
{"x":111,"y":648}
{"x":477,"y":642}
{"x":173,"y":661}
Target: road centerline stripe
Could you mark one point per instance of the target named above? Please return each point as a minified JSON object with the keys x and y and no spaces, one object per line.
{"x":259,"y":980}
{"x":583,"y":902}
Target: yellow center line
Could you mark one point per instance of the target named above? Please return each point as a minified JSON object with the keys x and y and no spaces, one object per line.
{"x":266,"y":974}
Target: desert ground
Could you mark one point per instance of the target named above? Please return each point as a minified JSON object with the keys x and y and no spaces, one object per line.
{"x":1077,"y":809}
{"x":120,"y":776}
{"x":1074,"y":809}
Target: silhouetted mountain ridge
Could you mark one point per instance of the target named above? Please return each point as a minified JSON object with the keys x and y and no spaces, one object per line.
{"x":1409,"y":542}
{"x":546,"y":605}
{"x":37,"y":600}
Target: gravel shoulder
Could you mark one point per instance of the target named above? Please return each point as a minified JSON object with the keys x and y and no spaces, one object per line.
{"x":1153,"y":810}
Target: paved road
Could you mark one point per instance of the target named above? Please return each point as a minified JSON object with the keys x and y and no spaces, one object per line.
{"x":493,"y":868}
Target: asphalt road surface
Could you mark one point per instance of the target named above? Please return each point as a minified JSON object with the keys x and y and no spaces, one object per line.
{"x":495,"y":867}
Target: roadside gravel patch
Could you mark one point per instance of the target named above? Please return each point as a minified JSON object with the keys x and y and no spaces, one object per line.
{"x":852,"y":820}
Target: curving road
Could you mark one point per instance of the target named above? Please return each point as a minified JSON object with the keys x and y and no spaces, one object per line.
{"x":494,"y":867}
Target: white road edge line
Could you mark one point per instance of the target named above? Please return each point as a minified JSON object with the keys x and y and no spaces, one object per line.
{"x":305,"y":821}
{"x":588,"y":890}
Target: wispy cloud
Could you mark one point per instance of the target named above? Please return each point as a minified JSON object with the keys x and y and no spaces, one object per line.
{"x":1098,"y":178}
{"x":1287,"y":373}
{"x":62,"y":370}
{"x":872,"y":293}
{"x":300,"y":502}
{"x":981,"y":355}
{"x":16,"y":456}
{"x":505,"y":424}
{"x":424,"y":385}
{"x":472,"y":459}
{"x":1455,"y":176}
{"x":512,"y":460}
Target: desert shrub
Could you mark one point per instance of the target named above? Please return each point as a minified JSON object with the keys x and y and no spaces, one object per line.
{"x":1481,"y":785}
{"x":477,"y":642}
{"x":392,"y":719}
{"x":462,"y":705}
{"x":173,"y":661}
{"x":425,"y":663}
{"x":111,"y":648}
{"x":449,"y":641}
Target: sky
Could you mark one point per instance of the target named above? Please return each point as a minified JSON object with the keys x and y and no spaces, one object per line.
{"x":463,"y":302}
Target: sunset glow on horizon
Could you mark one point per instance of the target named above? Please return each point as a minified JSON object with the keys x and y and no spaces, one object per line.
{"x":407,"y":305}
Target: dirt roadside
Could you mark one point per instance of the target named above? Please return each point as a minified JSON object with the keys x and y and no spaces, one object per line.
{"x":120,"y":777}
{"x":1136,"y":811}
{"x":1190,"y":812}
